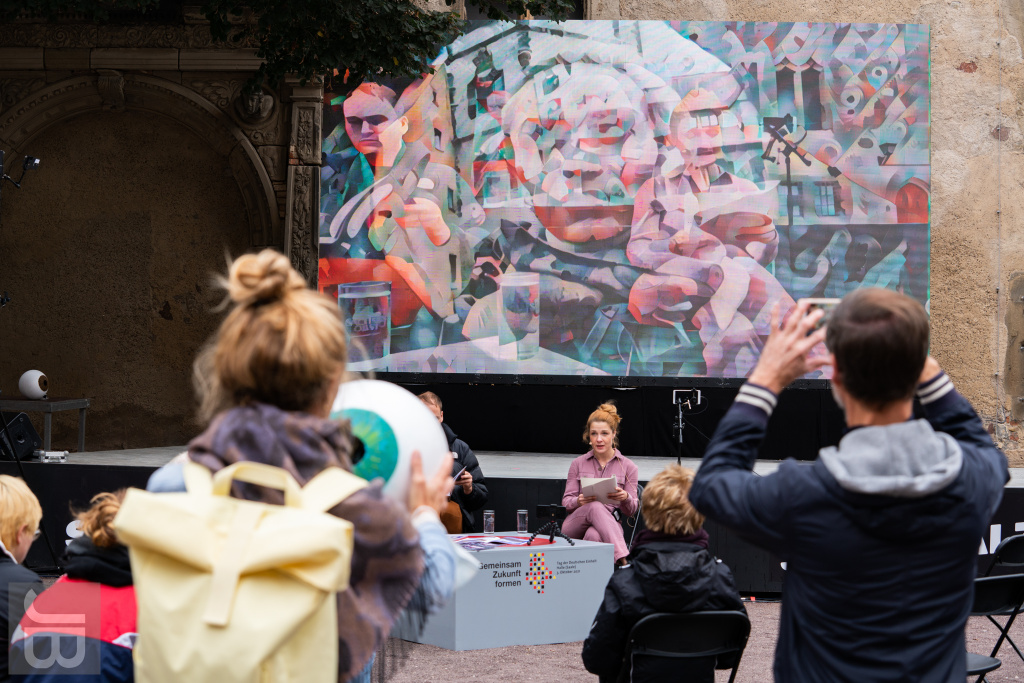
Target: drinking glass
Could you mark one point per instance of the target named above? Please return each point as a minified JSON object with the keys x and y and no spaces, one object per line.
{"x":519,"y":323}
{"x":366,"y":308}
{"x":488,"y":521}
{"x":522,"y":521}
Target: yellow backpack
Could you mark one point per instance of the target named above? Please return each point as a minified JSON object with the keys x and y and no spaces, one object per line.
{"x":232,"y":590}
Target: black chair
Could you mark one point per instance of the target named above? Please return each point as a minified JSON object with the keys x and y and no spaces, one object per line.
{"x":995,"y":595}
{"x":636,"y":522}
{"x":710,"y":640}
{"x":1009,"y":553}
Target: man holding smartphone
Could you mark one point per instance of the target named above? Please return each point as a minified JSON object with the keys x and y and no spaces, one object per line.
{"x":881,"y":533}
{"x":470,"y":492}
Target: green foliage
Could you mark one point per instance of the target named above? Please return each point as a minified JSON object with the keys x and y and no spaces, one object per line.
{"x":368,"y":39}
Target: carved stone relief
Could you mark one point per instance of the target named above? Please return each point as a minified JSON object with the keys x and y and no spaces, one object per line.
{"x":300,"y":229}
{"x":111,"y":86}
{"x":85,"y":35}
{"x":220,"y":91}
{"x":53,"y":102}
{"x":275,"y":159}
{"x":14,"y":89}
{"x":306,"y":132}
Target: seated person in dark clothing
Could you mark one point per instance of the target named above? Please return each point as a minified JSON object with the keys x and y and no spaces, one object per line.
{"x":470,"y":492}
{"x":670,"y":570}
{"x":20,"y":515}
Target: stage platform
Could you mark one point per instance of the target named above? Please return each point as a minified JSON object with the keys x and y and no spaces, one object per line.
{"x":515,"y":481}
{"x":494,"y":463}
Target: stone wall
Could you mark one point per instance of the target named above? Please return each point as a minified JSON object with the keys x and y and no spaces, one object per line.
{"x":155,"y":167}
{"x":86,"y":98}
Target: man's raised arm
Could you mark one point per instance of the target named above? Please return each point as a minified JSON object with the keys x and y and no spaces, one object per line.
{"x":726,"y":488}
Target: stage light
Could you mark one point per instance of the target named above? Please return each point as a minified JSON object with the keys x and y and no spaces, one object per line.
{"x":30,"y":163}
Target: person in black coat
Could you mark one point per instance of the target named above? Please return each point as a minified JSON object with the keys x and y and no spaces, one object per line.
{"x":470,"y":492}
{"x":670,"y":570}
{"x":20,"y":514}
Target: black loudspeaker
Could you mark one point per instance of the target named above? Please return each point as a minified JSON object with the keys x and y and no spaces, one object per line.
{"x":26,"y":439}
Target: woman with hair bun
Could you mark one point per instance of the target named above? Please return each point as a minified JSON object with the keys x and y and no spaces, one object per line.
{"x":590,"y":519}
{"x":98,"y":584}
{"x":266,"y":383}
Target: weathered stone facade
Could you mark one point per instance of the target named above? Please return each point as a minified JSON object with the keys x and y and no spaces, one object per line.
{"x":57,"y":78}
{"x":256,"y":185}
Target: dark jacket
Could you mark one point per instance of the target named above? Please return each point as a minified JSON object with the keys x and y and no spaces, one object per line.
{"x":663,"y":576}
{"x":880,"y":535}
{"x":15,"y":584}
{"x":98,"y":585}
{"x":475,"y":499}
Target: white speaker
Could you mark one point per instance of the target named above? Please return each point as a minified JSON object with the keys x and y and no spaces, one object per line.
{"x":33,"y":384}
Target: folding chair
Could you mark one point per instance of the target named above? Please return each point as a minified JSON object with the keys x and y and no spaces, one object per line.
{"x":995,"y":595}
{"x":637,"y":521}
{"x":1009,"y":553}
{"x":710,"y":640}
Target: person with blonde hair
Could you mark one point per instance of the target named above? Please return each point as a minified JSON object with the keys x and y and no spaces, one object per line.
{"x":97,"y":583}
{"x":20,"y":514}
{"x":590,"y":519}
{"x":266,"y":382}
{"x":670,"y":570}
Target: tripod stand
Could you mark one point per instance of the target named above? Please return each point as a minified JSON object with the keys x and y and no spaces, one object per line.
{"x":684,"y":400}
{"x":552,"y":528}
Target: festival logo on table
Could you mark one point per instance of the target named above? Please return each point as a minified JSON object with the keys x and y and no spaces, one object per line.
{"x":538,"y":573}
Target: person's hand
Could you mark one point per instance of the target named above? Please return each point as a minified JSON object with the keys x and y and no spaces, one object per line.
{"x":465,"y":480}
{"x":425,"y":214}
{"x":618,"y":495}
{"x":431,"y":492}
{"x":583,"y":500}
{"x":786,"y":354}
{"x":930,"y":371}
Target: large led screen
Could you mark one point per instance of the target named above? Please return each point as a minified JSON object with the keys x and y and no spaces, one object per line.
{"x":623,"y":198}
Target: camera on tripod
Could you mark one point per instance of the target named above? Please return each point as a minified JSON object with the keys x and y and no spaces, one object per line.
{"x":551,"y":517}
{"x":551,"y":513}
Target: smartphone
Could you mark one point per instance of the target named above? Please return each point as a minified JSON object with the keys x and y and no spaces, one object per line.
{"x":825,"y":304}
{"x":459,"y":474}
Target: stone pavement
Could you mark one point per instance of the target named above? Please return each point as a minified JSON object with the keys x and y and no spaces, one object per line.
{"x":428,"y":664}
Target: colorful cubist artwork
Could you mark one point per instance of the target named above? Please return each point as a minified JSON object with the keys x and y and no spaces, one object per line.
{"x":627,"y":198}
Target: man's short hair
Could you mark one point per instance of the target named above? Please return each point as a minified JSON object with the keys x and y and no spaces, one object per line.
{"x":431,"y":398}
{"x":666,"y":502}
{"x":880,"y":342}
{"x":18,"y":508}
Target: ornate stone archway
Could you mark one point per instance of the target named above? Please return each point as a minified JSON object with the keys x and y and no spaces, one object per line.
{"x":113,"y":91}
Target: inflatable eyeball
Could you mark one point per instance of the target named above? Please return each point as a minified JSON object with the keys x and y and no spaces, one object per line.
{"x":33,"y":384}
{"x":390,"y":423}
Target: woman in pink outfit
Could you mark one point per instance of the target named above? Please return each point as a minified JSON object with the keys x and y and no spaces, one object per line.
{"x":590,"y":519}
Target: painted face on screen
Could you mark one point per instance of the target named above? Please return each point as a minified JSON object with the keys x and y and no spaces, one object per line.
{"x":372,"y":124}
{"x":602,"y":436}
{"x":579,"y":140}
{"x":696,"y":126}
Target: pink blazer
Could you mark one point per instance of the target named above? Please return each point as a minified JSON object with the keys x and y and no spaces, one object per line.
{"x":622,"y":468}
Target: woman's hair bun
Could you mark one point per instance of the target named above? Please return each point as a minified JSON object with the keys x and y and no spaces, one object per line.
{"x":609,"y":407}
{"x":262,"y":278}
